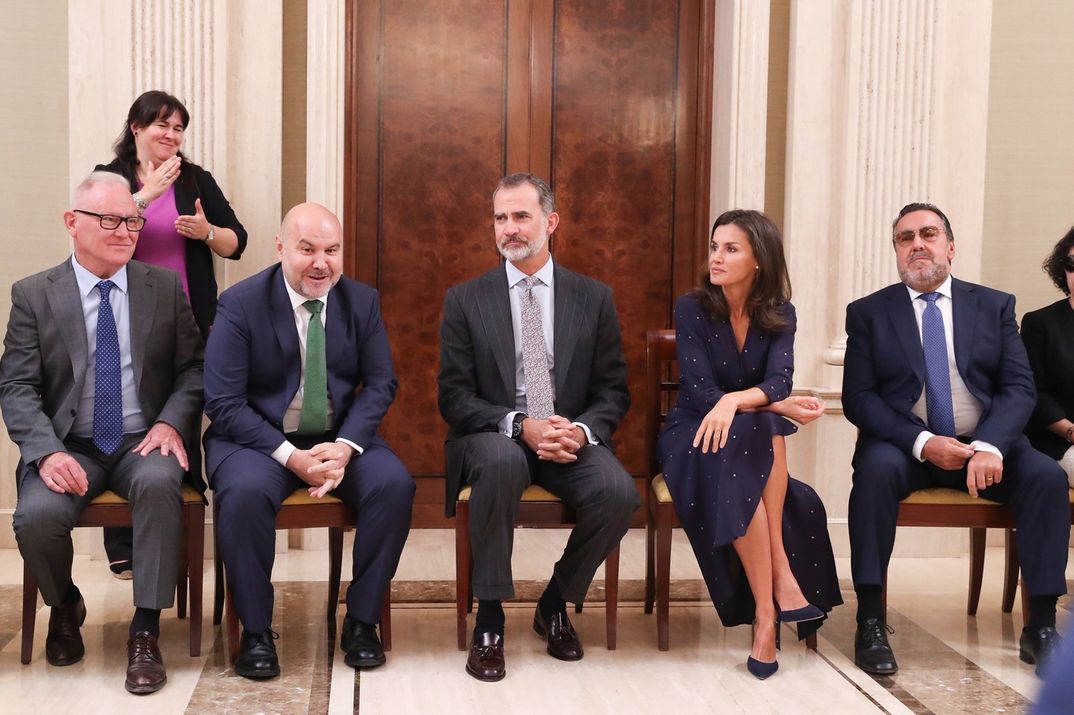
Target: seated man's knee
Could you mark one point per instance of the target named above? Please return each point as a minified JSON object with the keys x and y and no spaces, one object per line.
{"x":40,"y":521}
{"x":159,"y":481}
{"x":498,"y":457}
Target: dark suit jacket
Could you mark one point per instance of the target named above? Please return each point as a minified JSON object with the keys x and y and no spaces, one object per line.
{"x":43,"y":369}
{"x":1048,"y":335}
{"x":253,"y":365}
{"x":477,"y":361}
{"x":884,"y":368}
{"x":197,"y":183}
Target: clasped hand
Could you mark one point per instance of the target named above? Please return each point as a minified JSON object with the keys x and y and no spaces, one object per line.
{"x":321,"y":466}
{"x":983,"y":469}
{"x":554,"y":439}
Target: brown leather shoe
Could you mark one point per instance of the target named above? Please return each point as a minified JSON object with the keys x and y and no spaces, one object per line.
{"x":63,"y":645}
{"x":145,"y":667}
{"x":563,"y":642}
{"x":485,"y":661}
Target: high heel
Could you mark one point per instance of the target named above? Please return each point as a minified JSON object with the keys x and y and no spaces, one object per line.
{"x":761,"y":670}
{"x":809,"y":612}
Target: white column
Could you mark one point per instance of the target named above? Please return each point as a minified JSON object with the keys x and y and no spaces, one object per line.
{"x":324,"y":103}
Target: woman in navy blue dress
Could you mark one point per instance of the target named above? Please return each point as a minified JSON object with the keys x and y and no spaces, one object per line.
{"x":760,"y":538}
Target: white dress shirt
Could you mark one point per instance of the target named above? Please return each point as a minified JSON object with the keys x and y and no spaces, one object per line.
{"x":966,"y":407}
{"x":544,"y":293}
{"x":119,"y":299}
{"x":293,"y":414}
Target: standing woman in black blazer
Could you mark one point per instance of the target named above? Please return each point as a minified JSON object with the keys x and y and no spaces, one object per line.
{"x":187,"y":220}
{"x":1049,"y":337}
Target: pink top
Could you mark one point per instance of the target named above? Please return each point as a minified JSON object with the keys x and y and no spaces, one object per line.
{"x":159,"y":243}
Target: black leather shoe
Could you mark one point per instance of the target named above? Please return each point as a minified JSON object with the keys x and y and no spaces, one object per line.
{"x":1038,"y":645}
{"x":563,"y":642}
{"x":872,"y":653}
{"x":145,"y":666}
{"x":486,"y":661}
{"x":63,"y":645}
{"x":361,"y":644}
{"x":257,"y":655}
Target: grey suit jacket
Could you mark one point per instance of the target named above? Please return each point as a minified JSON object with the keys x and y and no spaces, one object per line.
{"x":43,"y":368}
{"x":477,"y":361}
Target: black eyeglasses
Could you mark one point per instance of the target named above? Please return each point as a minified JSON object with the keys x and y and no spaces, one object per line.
{"x":1068,"y":263}
{"x":110,"y":222}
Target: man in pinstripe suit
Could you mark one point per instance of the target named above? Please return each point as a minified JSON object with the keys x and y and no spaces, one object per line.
{"x":532,"y":385}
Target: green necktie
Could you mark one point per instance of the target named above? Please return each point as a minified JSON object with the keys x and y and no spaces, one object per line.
{"x":314,"y":418}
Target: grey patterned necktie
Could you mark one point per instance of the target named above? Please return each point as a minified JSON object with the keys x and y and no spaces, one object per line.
{"x":535,"y":355}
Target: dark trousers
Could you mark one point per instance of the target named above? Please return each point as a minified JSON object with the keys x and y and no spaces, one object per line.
{"x":119,"y":543}
{"x":1033,"y":485}
{"x":152,"y":484}
{"x":249,"y":488}
{"x":596,"y":487}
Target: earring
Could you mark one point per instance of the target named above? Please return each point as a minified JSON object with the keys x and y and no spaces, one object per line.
{"x":756,"y":268}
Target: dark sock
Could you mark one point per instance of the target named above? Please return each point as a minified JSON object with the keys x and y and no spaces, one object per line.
{"x":551,"y":601}
{"x":71,"y":596}
{"x":145,"y":619}
{"x":1041,"y":612}
{"x":490,"y":618}
{"x":870,"y":604}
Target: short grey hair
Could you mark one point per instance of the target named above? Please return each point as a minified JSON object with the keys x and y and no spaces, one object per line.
{"x":544,"y":193}
{"x":97,"y":177}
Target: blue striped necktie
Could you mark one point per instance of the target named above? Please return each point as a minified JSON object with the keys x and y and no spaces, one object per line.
{"x":941,"y":412}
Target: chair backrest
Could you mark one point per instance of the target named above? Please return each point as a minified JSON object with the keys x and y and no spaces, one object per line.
{"x":661,"y":388}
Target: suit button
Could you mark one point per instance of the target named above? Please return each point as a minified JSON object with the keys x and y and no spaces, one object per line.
{"x":73,"y":413}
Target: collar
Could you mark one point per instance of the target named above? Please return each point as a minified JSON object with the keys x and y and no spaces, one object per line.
{"x":543,"y":274}
{"x":297,"y":299}
{"x":944,"y":290}
{"x":88,"y":281}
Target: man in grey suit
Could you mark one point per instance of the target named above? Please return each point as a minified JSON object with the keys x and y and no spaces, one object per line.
{"x":100,"y":387}
{"x":532,"y":385}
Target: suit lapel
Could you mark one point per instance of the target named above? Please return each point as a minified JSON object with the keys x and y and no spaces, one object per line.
{"x":142,"y":305}
{"x":904,"y":322}
{"x":568,"y":299}
{"x":963,"y":310}
{"x":66,"y":306}
{"x":494,"y":305}
{"x":283,"y":323}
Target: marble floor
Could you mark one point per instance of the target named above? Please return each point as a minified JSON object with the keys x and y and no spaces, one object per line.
{"x":950,"y":663}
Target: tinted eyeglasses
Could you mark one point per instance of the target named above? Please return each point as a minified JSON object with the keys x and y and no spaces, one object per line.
{"x":1068,"y":263}
{"x":110,"y":222}
{"x":928,"y":235}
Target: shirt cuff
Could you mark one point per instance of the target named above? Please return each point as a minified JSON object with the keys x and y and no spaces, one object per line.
{"x":979,"y":446}
{"x":282,"y":453}
{"x":588,"y":434}
{"x":357,"y":450}
{"x":505,"y":423}
{"x":919,"y":444}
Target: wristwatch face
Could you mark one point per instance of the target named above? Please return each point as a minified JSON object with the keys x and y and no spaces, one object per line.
{"x":516,"y":426}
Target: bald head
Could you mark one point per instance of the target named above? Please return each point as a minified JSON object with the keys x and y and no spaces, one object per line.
{"x":310,"y":248}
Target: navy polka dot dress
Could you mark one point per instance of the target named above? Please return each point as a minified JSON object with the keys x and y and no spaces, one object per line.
{"x":716,"y":494}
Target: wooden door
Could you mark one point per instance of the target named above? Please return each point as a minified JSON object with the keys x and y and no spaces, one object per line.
{"x":610,"y":102}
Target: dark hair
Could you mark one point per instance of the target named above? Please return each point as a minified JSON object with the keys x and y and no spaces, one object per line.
{"x":544,"y":193}
{"x":1053,"y":264}
{"x":148,"y":108}
{"x":921,"y":206}
{"x":771,"y":290}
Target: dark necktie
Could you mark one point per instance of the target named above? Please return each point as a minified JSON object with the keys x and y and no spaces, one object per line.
{"x":535,"y":355}
{"x":941,"y":412}
{"x":108,"y":380}
{"x":314,"y":417}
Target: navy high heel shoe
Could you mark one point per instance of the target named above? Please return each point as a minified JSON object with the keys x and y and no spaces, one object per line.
{"x":808,"y":612}
{"x":761,"y":670}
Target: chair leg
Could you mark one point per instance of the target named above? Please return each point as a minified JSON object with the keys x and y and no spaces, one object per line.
{"x":218,"y":573}
{"x":231,"y":627}
{"x":335,"y":569}
{"x":977,"y":554}
{"x":463,"y":571}
{"x":195,"y":569}
{"x":181,"y":582}
{"x":811,"y":642}
{"x":611,"y":595}
{"x":386,"y":619}
{"x":663,"y":573}
{"x":29,"y":613}
{"x":650,"y":555}
{"x":1010,"y":573}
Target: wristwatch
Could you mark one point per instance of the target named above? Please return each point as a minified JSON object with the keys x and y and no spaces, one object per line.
{"x":212,"y":234}
{"x":516,"y":425}
{"x":139,"y":202}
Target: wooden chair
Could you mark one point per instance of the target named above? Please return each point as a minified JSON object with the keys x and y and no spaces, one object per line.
{"x":301,"y":511}
{"x":110,"y":509}
{"x":538,"y":508}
